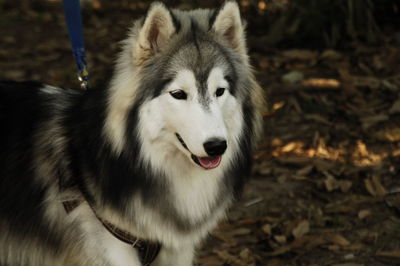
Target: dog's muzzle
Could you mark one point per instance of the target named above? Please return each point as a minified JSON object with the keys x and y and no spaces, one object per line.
{"x":215,"y":148}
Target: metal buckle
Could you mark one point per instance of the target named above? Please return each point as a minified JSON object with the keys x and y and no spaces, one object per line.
{"x":83,"y":78}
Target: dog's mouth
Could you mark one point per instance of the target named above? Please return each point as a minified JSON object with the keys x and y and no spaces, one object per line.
{"x":207,"y":162}
{"x":210,"y":162}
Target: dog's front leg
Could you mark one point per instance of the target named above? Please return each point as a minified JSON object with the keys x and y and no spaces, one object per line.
{"x":175,"y":256}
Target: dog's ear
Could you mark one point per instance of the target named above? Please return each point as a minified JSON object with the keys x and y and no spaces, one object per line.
{"x":228,"y":24}
{"x":156,"y":31}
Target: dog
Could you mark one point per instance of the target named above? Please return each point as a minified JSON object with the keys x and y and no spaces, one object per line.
{"x":140,"y":172}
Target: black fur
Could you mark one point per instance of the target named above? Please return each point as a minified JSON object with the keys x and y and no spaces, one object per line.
{"x":22,"y":110}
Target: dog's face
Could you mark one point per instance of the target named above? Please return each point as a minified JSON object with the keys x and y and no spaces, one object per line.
{"x":199,"y":115}
{"x":191,"y":67}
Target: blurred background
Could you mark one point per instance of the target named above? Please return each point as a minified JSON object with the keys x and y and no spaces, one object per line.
{"x":325,"y":188}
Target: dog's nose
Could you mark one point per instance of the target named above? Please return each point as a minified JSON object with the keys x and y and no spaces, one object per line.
{"x":215,"y":147}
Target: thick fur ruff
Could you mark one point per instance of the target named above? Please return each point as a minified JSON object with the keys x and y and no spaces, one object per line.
{"x":135,"y":153}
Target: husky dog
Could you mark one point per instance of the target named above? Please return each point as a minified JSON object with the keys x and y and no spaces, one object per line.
{"x":160,"y":154}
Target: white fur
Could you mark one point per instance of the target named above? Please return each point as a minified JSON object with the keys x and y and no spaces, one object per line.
{"x":50,"y":89}
{"x":194,"y":188}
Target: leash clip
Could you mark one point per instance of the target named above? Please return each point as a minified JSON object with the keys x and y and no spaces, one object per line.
{"x":83,"y":77}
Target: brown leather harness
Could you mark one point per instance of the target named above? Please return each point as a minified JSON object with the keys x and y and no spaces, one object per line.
{"x":147,"y":250}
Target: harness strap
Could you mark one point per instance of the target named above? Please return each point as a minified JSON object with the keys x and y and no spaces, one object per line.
{"x":74,"y":24}
{"x":147,"y":250}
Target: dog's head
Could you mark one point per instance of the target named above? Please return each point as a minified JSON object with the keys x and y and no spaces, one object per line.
{"x":187,"y":76}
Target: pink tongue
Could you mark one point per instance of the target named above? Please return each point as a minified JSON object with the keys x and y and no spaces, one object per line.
{"x":210,"y":162}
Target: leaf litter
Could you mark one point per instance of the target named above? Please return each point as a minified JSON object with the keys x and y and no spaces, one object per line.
{"x":327,"y":164}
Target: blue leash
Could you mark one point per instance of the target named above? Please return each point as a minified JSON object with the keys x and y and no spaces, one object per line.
{"x":72,"y":12}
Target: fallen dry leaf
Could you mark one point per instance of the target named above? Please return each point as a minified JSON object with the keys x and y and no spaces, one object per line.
{"x":293,"y":77}
{"x":266,"y":228}
{"x":349,"y":256}
{"x":291,"y":146}
{"x":374,"y":186}
{"x":390,"y":253}
{"x":363,"y":214}
{"x":369,"y":187}
{"x":247,"y":221}
{"x":391,"y":257}
{"x":321,"y":83}
{"x":391,"y":133}
{"x":337,"y":239}
{"x":239,"y":231}
{"x":331,"y":183}
{"x":305,"y":170}
{"x":370,"y":121}
{"x":280,"y":239}
{"x":345,"y":185}
{"x":330,"y":54}
{"x":395,"y":108}
{"x":362,"y":148}
{"x":278,"y":105}
{"x":301,"y":229}
{"x":245,"y":254}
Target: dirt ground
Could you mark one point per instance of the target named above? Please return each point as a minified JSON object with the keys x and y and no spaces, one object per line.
{"x":325,"y":188}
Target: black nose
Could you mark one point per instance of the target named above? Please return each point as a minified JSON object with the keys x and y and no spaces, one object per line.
{"x":215,"y":147}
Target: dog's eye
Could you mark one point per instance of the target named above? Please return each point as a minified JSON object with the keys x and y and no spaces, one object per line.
{"x":219,"y":92}
{"x":179,"y":94}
